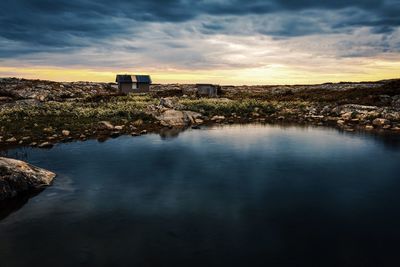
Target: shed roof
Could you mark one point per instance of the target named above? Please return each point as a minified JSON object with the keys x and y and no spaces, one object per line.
{"x":125,"y":78}
{"x":143,"y":78}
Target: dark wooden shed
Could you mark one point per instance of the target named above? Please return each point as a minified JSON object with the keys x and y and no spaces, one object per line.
{"x":133,"y":83}
{"x":208,"y":90}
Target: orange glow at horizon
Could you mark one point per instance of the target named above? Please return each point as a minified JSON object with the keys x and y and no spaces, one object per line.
{"x":274,"y":74}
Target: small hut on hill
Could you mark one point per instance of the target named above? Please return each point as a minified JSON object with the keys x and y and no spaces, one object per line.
{"x":208,"y":90}
{"x":133,"y":83}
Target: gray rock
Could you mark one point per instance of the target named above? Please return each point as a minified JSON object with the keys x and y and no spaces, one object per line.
{"x":45,"y":145}
{"x":352,"y":108}
{"x":171,"y":117}
{"x":48,"y":129}
{"x":347,"y":116}
{"x":317,"y":116}
{"x":168,"y":102}
{"x":11,"y":140}
{"x":340,"y":122}
{"x":106,"y":125}
{"x":17,"y":177}
{"x":380,"y":122}
{"x":192,"y":117}
{"x":65,"y":132}
{"x":199,"y":121}
{"x":326,"y":110}
{"x":218,"y":118}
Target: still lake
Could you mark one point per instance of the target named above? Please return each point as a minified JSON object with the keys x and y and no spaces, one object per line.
{"x":249,"y":195}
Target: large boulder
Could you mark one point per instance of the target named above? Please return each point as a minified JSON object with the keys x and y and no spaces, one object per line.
{"x":18,"y":177}
{"x":177,"y":118}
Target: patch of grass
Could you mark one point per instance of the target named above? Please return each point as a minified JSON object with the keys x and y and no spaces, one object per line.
{"x":212,"y":106}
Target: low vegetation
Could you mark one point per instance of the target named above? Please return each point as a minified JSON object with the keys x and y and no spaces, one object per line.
{"x":76,"y":116}
{"x":225,"y":107}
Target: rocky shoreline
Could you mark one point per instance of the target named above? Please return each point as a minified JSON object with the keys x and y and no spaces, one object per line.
{"x":42,"y":113}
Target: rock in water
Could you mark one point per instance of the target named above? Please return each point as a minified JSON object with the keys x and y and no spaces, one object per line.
{"x":11,"y":140}
{"x":171,"y":117}
{"x":177,"y":118}
{"x":218,"y":118}
{"x":17,"y":177}
{"x":46,"y":145}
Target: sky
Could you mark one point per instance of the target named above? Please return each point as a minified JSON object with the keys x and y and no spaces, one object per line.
{"x":191,"y":41}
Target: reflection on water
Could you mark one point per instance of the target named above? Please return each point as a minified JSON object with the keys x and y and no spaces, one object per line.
{"x":237,"y":195}
{"x":167,"y":133}
{"x":9,"y":206}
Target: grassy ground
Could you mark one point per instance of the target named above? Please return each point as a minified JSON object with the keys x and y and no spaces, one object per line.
{"x":356,"y":95}
{"x":77,"y":116}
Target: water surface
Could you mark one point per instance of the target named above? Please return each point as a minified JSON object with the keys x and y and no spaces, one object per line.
{"x":226,"y":196}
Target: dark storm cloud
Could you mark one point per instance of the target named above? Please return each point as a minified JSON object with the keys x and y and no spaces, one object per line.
{"x":49,"y":25}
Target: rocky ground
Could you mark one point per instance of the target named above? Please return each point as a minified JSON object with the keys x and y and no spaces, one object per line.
{"x":41,"y":113}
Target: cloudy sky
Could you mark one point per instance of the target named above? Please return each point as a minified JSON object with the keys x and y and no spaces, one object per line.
{"x":221,"y":41}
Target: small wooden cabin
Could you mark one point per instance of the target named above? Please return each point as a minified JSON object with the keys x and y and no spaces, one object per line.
{"x":208,"y":90}
{"x":133,"y":83}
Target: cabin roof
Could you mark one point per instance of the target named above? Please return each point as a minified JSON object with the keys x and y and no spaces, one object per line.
{"x":125,"y":78}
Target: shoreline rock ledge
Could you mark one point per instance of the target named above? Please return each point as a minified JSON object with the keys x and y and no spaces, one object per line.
{"x":18,"y":177}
